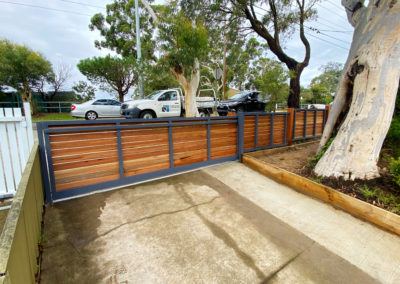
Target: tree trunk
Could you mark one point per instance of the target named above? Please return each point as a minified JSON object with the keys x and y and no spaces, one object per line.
{"x":26,"y":93}
{"x":365,"y":98}
{"x":294,"y":93}
{"x":121,"y":95}
{"x":190,"y":88}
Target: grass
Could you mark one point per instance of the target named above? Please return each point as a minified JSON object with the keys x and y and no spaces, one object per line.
{"x":317,"y":179}
{"x":386,"y":198}
{"x":53,"y":116}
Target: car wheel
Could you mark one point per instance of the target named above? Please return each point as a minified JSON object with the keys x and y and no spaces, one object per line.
{"x":147,"y":114}
{"x":202,"y":113}
{"x":91,"y":115}
{"x":240,"y":109}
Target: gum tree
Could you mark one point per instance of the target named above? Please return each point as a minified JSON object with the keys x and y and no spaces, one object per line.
{"x":366,"y":95}
{"x":184,"y":44}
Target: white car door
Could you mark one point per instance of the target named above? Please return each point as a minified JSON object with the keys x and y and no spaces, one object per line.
{"x":100,"y":107}
{"x":169,"y":104}
{"x":114,"y":108}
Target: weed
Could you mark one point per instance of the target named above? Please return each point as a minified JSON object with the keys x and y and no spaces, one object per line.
{"x":314,"y":160}
{"x":395,"y":169}
{"x":317,"y":179}
{"x":368,"y":194}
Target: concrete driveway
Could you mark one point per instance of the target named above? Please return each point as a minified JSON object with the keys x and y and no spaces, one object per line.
{"x":223,"y":224}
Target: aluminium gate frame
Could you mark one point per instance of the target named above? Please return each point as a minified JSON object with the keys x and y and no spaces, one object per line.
{"x":46,"y":158}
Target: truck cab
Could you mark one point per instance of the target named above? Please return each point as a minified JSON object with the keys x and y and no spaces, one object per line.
{"x":166,"y":103}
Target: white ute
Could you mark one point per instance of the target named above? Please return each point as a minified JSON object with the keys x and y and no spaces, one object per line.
{"x":167,"y":103}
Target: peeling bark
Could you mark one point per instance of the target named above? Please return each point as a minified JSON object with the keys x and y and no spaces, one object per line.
{"x":190,"y":88}
{"x":366,"y":95}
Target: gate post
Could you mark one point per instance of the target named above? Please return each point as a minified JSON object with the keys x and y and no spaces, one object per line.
{"x":328,"y":110}
{"x":240,"y":133}
{"x":290,"y":125}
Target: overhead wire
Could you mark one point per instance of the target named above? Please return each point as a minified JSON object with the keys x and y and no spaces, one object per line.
{"x":45,"y":8}
{"x":83,"y":4}
{"x":314,"y":30}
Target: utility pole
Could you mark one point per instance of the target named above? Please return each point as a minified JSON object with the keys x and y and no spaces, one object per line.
{"x":138,"y":48}
{"x":224,"y":78}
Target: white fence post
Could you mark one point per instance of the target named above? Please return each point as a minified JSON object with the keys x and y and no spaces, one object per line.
{"x":28,"y":119}
{"x":16,"y":142}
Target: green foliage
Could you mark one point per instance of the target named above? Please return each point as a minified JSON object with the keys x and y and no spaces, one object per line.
{"x":118,"y":29}
{"x":323,"y":87}
{"x":54,"y":116}
{"x":84,"y":90}
{"x":111,"y":73}
{"x":158,"y":77}
{"x":386,"y":198}
{"x":330,"y":76}
{"x":22,"y":68}
{"x":368,"y":194}
{"x":393,"y":136}
{"x":320,"y":94}
{"x":317,"y":179}
{"x":314,"y":160}
{"x":182,"y":40}
{"x":270,"y":77}
{"x":395,"y":169}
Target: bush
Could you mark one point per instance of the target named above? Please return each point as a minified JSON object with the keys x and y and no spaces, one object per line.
{"x":395,"y":169}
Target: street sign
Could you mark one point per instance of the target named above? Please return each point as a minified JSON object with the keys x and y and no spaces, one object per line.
{"x":217,"y":73}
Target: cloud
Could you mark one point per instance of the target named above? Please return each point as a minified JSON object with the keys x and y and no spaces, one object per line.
{"x":65,"y":37}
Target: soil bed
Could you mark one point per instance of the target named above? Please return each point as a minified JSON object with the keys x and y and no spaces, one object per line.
{"x":381,"y":192}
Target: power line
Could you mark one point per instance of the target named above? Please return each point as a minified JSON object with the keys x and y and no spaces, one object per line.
{"x":331,"y":31}
{"x":314,"y":30}
{"x":334,"y":4}
{"x":330,"y":26}
{"x":334,"y":27}
{"x":332,"y":37}
{"x":331,"y":11}
{"x":45,"y":8}
{"x":326,"y":41}
{"x":83,"y":4}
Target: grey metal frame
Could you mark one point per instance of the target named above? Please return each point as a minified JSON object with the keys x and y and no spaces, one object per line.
{"x":47,"y":164}
{"x":117,"y":124}
{"x":256,"y":131}
{"x":306,"y":112}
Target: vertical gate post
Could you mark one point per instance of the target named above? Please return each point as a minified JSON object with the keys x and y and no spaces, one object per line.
{"x":240,"y":133}
{"x":43,"y":163}
{"x":120,"y":156}
{"x":290,"y":125}
{"x":327,"y":110}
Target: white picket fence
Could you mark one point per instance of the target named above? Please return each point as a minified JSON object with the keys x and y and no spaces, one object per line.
{"x":16,"y":142}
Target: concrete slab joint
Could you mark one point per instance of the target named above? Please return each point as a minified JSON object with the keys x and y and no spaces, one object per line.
{"x":222,"y":224}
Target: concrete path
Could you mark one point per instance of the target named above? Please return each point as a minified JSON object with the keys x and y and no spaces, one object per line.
{"x":223,"y":224}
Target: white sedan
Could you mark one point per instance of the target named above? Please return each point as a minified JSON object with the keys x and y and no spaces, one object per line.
{"x":96,"y":109}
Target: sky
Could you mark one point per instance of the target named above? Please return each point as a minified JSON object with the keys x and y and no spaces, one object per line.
{"x":59,"y":30}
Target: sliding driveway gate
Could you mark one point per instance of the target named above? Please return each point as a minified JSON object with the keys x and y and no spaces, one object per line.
{"x":79,"y":157}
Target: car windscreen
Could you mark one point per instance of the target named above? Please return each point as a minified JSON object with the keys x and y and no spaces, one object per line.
{"x":239,"y":96}
{"x":153,"y":96}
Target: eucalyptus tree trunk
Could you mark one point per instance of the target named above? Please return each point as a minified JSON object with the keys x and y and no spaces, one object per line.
{"x":190,"y":87}
{"x":365,"y":98}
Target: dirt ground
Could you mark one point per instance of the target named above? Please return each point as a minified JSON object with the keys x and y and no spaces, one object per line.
{"x":292,"y":159}
{"x":381,"y":192}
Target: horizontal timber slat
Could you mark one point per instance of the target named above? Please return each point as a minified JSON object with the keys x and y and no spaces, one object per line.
{"x":83,"y":154}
